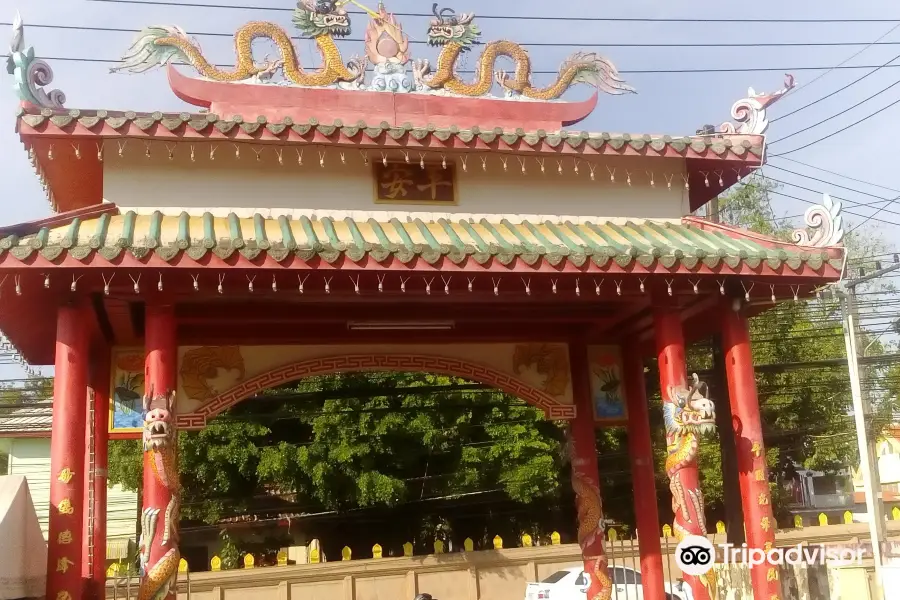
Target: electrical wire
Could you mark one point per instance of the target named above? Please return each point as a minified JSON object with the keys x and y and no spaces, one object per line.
{"x":538,"y":72}
{"x":535,"y":44}
{"x":517,"y":17}
{"x":843,"y":129}
{"x":794,"y":160}
{"x":836,"y":115}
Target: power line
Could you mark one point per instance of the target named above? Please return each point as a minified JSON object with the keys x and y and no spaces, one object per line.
{"x":843,"y":187}
{"x":834,"y":116}
{"x":546,"y":72}
{"x":515,"y":17}
{"x":846,"y":211}
{"x":818,"y":77}
{"x":544,"y":44}
{"x":843,"y":129}
{"x":852,"y":203}
{"x":794,"y":160}
{"x":883,"y":208}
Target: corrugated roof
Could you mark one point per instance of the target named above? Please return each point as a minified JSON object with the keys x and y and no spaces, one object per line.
{"x":32,"y":418}
{"x":604,"y":244}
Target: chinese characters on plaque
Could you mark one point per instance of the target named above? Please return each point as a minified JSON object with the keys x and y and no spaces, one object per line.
{"x":414,"y":183}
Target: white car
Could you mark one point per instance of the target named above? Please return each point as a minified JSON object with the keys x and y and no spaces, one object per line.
{"x":572,"y":583}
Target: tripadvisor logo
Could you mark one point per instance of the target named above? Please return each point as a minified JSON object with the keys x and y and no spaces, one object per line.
{"x":695,"y":555}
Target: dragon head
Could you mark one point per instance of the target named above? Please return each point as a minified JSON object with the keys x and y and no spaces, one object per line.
{"x":449,"y":28}
{"x":321,"y":18}
{"x":690,"y":411}
{"x":159,"y":421}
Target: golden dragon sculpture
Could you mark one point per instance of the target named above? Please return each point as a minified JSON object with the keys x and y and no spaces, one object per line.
{"x":590,"y":533}
{"x":321,"y":20}
{"x":457,"y":34}
{"x":688,"y":413}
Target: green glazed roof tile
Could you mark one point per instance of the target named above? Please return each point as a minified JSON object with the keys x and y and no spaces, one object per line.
{"x":309,"y":237}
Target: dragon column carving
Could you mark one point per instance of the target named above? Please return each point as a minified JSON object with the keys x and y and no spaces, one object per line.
{"x":159,"y":554}
{"x":458,"y":33}
{"x":688,"y":414}
{"x":591,"y":531}
{"x":321,"y":20}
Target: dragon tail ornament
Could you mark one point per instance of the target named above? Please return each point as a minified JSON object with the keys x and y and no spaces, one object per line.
{"x":688,"y":414}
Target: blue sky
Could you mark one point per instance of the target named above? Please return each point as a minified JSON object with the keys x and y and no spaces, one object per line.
{"x":675,"y":104}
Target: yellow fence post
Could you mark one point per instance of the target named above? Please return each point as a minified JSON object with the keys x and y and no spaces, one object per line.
{"x":527,"y":542}
{"x":667,"y":531}
{"x":798,"y":522}
{"x":895,"y":513}
{"x":498,"y":542}
{"x":182,"y":566}
{"x":612,"y":535}
{"x":315,"y":556}
{"x":215,"y":564}
{"x":281,"y":558}
{"x":720,"y":527}
{"x":848,"y":517}
{"x":113,"y":570}
{"x":249,"y":561}
{"x":376,"y":551}
{"x":408,"y":549}
{"x":346,"y":553}
{"x":555,"y":539}
{"x":438,"y":547}
{"x":468,"y":545}
{"x":823,"y":519}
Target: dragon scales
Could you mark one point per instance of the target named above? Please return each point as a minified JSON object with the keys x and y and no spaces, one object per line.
{"x":158,"y":546}
{"x":688,"y":414}
{"x":457,"y":34}
{"x":321,"y":20}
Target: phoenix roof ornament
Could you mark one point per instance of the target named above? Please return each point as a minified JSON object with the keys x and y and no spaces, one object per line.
{"x":30,"y":73}
{"x":750,"y":112}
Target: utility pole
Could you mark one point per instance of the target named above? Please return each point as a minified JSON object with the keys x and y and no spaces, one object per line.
{"x":862,"y":410}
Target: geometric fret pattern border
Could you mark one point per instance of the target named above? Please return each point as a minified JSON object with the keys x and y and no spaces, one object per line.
{"x":441,"y":365}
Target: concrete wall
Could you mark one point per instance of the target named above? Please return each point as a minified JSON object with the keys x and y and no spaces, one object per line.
{"x":135,"y":181}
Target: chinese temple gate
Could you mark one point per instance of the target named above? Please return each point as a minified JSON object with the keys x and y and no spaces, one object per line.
{"x":384,"y":214}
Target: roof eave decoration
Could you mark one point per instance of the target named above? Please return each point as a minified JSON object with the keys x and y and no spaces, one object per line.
{"x":208,"y":127}
{"x":826,"y":222}
{"x":30,"y":74}
{"x":433,"y":90}
{"x":750,"y":113}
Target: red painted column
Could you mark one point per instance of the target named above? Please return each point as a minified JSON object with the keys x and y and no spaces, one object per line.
{"x":586,"y":478}
{"x":759,"y":520}
{"x":94,"y":543}
{"x":682,"y":448}
{"x":159,"y":519}
{"x":643,"y":476}
{"x":64,"y":543}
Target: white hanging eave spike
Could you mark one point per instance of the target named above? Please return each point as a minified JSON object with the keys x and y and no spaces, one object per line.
{"x":825,"y":221}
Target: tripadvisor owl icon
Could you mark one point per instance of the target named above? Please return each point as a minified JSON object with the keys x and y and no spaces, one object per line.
{"x":695,"y":555}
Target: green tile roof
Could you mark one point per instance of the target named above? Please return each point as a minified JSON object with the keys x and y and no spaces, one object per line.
{"x":603,"y":243}
{"x":205,"y":123}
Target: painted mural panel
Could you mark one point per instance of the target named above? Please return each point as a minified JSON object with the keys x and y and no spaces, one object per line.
{"x":127,"y":389}
{"x":211,"y":379}
{"x":607,"y":390}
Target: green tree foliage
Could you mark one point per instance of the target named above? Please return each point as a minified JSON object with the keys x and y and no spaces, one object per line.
{"x":355,"y":440}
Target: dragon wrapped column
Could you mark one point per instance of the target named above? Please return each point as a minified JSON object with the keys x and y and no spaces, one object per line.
{"x":687,"y":415}
{"x":586,"y":479}
{"x":759,"y":520}
{"x":158,"y":546}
